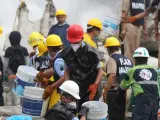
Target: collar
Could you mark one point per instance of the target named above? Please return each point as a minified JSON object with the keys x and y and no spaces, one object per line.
{"x":61,"y":24}
{"x":117,"y":52}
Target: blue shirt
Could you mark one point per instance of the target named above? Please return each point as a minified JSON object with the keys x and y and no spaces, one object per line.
{"x":61,"y":31}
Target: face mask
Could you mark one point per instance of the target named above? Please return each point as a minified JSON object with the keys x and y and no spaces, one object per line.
{"x":36,"y":50}
{"x":75,"y":46}
{"x":96,"y":38}
{"x":73,"y":104}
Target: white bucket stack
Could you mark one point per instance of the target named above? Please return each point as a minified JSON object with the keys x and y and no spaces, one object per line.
{"x":24,"y":77}
{"x":32,"y":103}
{"x":97,"y":110}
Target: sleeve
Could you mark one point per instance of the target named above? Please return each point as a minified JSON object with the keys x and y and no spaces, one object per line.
{"x":111,"y":66}
{"x":128,"y":80}
{"x":126,"y":5}
{"x":8,"y":53}
{"x":59,"y":67}
{"x":75,"y":118}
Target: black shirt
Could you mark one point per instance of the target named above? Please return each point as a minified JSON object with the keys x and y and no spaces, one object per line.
{"x":9,"y":50}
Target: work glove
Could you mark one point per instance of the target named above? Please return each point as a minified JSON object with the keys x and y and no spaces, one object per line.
{"x":48,"y":92}
{"x":39,"y":77}
{"x":132,"y":19}
{"x":83,"y":112}
{"x":93,"y":90}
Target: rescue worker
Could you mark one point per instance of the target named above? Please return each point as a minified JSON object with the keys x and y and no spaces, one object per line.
{"x":143,"y":80}
{"x":61,"y":27}
{"x":40,"y":61}
{"x":132,"y":31}
{"x":117,"y":66}
{"x":34,"y":39}
{"x":66,"y":109}
{"x":152,"y":8}
{"x":82,"y":65}
{"x":54,"y":45}
{"x":94,"y":27}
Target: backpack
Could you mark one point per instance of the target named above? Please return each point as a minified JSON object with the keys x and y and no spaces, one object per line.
{"x":16,"y":59}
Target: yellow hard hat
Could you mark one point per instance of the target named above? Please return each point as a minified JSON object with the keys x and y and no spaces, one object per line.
{"x":42,"y":48}
{"x":60,"y":12}
{"x":35,"y":38}
{"x":95,"y":22}
{"x":53,"y":40}
{"x":112,"y":41}
{"x":1,"y":30}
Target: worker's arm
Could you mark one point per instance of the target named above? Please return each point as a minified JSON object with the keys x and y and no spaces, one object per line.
{"x":111,"y":73}
{"x":99,"y":76}
{"x":49,"y":72}
{"x":128,"y":80}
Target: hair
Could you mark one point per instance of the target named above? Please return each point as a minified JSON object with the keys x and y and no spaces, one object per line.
{"x":89,"y":30}
{"x":15,"y":38}
{"x":113,"y":48}
{"x":55,"y":48}
{"x":141,"y":60}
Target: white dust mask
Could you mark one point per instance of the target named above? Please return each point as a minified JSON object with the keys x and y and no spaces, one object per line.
{"x":75,"y":46}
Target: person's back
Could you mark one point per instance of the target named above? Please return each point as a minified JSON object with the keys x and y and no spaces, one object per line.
{"x":61,"y":111}
{"x":15,"y":55}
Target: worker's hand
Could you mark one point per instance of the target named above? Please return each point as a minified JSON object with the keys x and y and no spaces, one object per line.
{"x":39,"y":77}
{"x":48,"y":92}
{"x":105,"y":95}
{"x":44,"y":82}
{"x":93,"y":90}
{"x":132,"y":19}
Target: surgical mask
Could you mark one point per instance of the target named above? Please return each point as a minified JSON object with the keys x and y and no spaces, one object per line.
{"x":75,"y":46}
{"x":36,"y":50}
{"x":73,"y":104}
{"x":96,"y":38}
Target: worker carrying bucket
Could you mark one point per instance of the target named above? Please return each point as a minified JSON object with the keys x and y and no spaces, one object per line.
{"x":117,"y":66}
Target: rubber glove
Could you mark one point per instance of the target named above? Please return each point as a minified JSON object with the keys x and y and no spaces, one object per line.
{"x":132,"y":19}
{"x":48,"y":92}
{"x":39,"y":77}
{"x":93,"y":90}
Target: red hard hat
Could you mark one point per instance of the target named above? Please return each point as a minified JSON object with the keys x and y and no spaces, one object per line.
{"x":75,"y":33}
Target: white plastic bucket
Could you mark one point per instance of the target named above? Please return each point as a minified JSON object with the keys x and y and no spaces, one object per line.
{"x":97,"y":110}
{"x":32,"y":103}
{"x":110,"y":27}
{"x":26,"y":73}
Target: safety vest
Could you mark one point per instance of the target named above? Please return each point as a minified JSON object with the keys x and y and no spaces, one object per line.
{"x":82,"y":66}
{"x":41,"y":63}
{"x":89,"y":40}
{"x":147,"y":77}
{"x":137,"y":6}
{"x":123,"y":65}
{"x":61,"y":111}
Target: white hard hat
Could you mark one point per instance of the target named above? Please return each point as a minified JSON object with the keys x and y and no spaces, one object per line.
{"x":141,"y":52}
{"x":71,"y":87}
